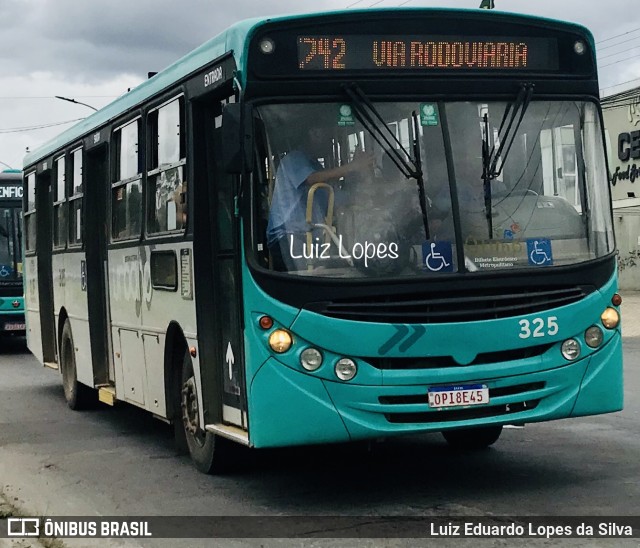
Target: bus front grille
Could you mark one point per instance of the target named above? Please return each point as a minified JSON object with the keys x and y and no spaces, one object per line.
{"x":493,"y":393}
{"x":469,"y":413}
{"x":436,"y":362}
{"x":458,"y":306}
{"x":462,"y":414}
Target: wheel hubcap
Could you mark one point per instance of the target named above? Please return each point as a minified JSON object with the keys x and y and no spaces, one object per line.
{"x":190,"y":415}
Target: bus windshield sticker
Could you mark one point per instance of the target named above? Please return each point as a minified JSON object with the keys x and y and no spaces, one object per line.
{"x":186,"y":287}
{"x":345,"y":116}
{"x":438,"y":256}
{"x":428,"y":114}
{"x":539,"y":252}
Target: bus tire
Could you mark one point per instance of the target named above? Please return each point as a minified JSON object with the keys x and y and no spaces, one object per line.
{"x":211,"y":454}
{"x":472,"y":439}
{"x":78,"y":395}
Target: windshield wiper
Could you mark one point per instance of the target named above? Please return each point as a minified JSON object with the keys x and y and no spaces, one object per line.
{"x":506,"y":138}
{"x":410,"y":167}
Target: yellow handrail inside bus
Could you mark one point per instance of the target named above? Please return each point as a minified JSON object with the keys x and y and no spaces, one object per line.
{"x":329,"y":217}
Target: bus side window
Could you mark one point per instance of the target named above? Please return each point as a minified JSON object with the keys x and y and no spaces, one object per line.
{"x":59,"y":205}
{"x":224,"y":189}
{"x":75,"y":200}
{"x":126,"y":195}
{"x":167,"y":189}
{"x":30,"y":214}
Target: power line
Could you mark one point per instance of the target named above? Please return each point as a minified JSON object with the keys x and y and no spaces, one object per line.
{"x":618,"y":36}
{"x":618,"y":53}
{"x":619,"y":61}
{"x":620,"y":84}
{"x":354,"y":4}
{"x":620,"y":43}
{"x":32,"y":128}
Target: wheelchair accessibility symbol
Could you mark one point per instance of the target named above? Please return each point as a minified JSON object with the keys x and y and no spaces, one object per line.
{"x":539,"y":252}
{"x":438,"y":256}
{"x":5,"y":271}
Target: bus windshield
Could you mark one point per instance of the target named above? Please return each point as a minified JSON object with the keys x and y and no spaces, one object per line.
{"x":360,"y":214}
{"x":10,"y":244}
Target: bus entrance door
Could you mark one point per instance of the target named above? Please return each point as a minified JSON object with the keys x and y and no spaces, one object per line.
{"x":44,"y":239}
{"x":218,"y":279}
{"x":96,"y":267}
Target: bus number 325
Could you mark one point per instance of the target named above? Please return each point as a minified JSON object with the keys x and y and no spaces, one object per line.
{"x":538,"y":327}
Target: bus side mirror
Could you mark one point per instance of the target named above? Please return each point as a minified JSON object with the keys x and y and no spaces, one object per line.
{"x":237,"y":138}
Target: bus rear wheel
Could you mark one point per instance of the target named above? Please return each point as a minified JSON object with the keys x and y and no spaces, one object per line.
{"x":210,"y":453}
{"x":472,"y":439}
{"x":78,"y":395}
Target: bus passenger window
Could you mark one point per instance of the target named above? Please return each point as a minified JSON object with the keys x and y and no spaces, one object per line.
{"x":59,"y":206}
{"x":75,"y":200}
{"x":30,"y":214}
{"x":167,"y":197}
{"x":127,"y":201}
{"x":126,"y":197}
{"x":166,"y":187}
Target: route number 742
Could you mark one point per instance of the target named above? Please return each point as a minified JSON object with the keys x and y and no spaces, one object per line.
{"x":538,"y":327}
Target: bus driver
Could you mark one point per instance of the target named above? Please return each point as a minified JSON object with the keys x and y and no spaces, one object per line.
{"x":297,"y":172}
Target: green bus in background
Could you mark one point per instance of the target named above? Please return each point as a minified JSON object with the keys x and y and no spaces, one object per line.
{"x":335,"y":227}
{"x":11,"y":291}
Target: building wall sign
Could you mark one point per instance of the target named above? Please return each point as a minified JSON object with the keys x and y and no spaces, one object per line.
{"x":622,"y":123}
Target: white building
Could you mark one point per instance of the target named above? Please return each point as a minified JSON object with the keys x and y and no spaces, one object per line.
{"x":622,"y":124}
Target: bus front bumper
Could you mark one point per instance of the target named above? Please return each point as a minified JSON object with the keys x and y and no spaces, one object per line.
{"x":12,"y":323}
{"x":288,"y":407}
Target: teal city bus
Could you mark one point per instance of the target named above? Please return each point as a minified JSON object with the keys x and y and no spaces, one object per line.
{"x":335,"y":227}
{"x":11,"y":293}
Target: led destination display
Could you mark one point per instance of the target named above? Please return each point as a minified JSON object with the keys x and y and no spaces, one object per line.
{"x":375,"y":52}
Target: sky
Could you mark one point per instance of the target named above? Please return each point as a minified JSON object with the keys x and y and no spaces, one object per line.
{"x":94,"y":51}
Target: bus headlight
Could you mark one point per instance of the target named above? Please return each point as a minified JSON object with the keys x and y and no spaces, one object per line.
{"x":580,"y":47}
{"x":593,"y":336}
{"x":610,"y":318}
{"x":346,"y":369}
{"x":570,"y":349}
{"x":280,"y":341}
{"x":267,"y":46}
{"x":311,"y":359}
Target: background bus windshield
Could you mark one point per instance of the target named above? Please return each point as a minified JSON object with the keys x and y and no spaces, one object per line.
{"x":10,"y":244}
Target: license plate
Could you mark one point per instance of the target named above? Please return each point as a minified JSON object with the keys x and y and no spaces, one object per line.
{"x":458,"y":396}
{"x":14,"y":327}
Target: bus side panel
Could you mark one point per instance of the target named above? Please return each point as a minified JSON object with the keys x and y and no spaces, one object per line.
{"x":125,"y":291}
{"x":32,"y":307}
{"x":167,"y":297}
{"x":59,"y":281}
{"x":147,"y":294}
{"x":75,"y":303}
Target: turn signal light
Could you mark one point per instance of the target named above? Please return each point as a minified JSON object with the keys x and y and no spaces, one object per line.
{"x":280,"y":341}
{"x":616,"y":300}
{"x":610,"y":318}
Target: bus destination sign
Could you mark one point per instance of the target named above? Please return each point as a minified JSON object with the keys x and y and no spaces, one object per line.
{"x":472,"y":53}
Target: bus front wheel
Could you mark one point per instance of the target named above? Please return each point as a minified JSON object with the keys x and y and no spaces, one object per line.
{"x":210,"y":453}
{"x":470,"y":439}
{"x":78,"y":395}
